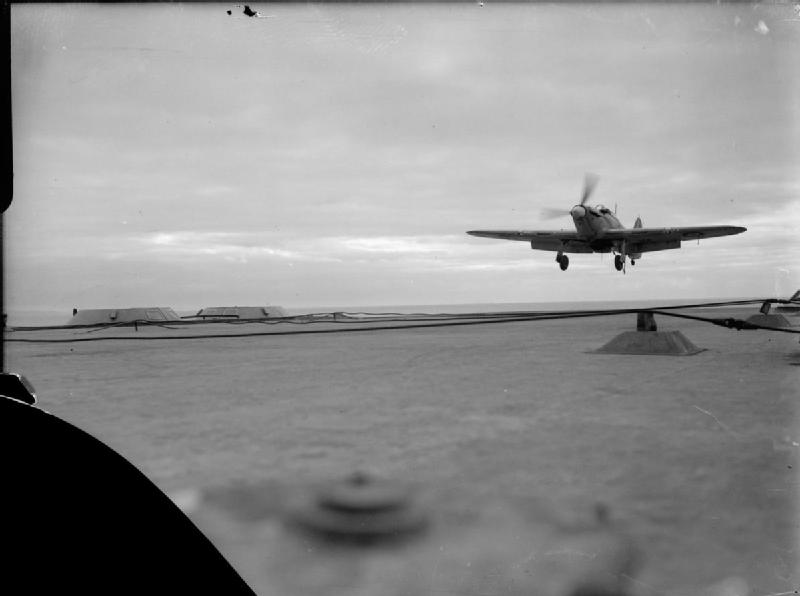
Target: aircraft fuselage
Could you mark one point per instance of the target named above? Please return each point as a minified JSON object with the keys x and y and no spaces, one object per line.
{"x":591,"y":221}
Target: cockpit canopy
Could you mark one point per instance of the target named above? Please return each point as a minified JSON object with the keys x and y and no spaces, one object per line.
{"x":599,"y":210}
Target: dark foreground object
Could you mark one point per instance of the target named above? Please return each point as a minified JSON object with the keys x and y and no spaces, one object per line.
{"x":17,"y":387}
{"x":79,"y":518}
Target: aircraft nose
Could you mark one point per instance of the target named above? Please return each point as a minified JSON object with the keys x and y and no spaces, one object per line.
{"x":578,"y":211}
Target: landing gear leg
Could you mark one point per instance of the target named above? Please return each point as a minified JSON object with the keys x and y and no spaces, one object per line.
{"x":562,"y":260}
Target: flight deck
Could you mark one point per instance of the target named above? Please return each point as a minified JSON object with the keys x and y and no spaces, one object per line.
{"x":693,"y":455}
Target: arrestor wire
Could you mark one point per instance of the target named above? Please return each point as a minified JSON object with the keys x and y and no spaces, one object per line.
{"x":353,"y":321}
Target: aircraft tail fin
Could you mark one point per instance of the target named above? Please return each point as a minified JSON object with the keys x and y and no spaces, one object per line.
{"x":638,"y":223}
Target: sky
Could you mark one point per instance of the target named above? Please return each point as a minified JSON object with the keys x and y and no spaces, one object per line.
{"x":173,"y":155}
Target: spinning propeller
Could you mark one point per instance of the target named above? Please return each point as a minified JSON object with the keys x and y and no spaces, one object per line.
{"x":589,"y":183}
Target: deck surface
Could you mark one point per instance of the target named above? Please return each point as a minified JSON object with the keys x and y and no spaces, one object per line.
{"x":696,"y":454}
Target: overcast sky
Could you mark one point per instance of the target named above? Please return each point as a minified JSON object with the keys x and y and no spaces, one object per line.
{"x":173,"y":155}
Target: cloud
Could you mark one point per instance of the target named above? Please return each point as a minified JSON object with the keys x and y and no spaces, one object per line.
{"x":232,"y":245}
{"x":402,"y":254}
{"x":215,"y":190}
{"x":397,"y":245}
{"x":243,"y":245}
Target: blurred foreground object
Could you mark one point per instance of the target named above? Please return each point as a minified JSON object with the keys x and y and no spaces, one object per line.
{"x":366,"y":535}
{"x":79,"y":518}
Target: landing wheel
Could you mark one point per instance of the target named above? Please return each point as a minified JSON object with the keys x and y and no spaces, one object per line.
{"x":564,"y":262}
{"x":633,"y":262}
{"x":618,"y":262}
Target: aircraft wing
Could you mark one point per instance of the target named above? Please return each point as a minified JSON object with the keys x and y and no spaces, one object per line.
{"x":561,"y":240}
{"x":652,"y":239}
{"x":527,"y":235}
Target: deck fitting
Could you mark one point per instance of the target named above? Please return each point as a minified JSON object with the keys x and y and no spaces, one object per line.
{"x":647,"y":340}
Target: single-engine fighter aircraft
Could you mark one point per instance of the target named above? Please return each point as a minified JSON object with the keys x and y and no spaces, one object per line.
{"x":597,"y":229}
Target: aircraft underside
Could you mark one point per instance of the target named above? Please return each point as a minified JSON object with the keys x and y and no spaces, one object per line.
{"x":619,"y":259}
{"x":621,"y":252}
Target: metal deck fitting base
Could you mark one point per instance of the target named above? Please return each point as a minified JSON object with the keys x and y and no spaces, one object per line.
{"x":646,"y":340}
{"x":770,"y":320}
